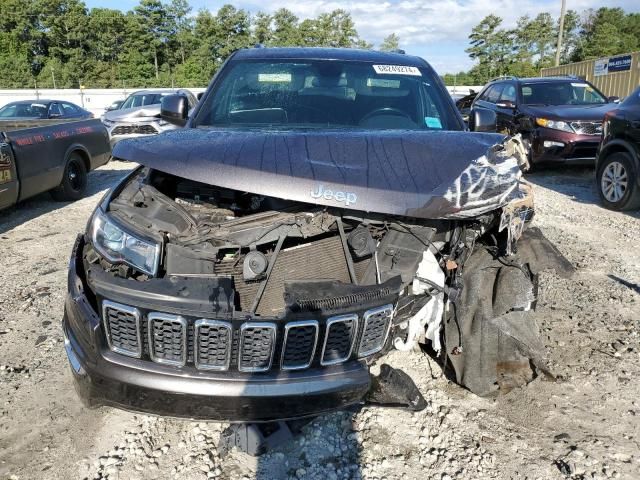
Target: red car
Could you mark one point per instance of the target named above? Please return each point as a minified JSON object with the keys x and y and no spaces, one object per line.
{"x":559,"y":117}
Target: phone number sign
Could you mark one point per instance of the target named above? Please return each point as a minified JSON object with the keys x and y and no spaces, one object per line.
{"x":613,"y":64}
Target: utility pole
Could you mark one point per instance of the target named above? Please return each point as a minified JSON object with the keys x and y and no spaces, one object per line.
{"x":560,"y":32}
{"x":53,"y":77}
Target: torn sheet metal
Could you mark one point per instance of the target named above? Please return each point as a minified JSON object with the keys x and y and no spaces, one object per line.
{"x":491,"y":181}
{"x":493,"y":341}
{"x":516,"y":214}
{"x":423,"y":174}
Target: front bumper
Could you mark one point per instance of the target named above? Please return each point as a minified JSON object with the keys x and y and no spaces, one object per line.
{"x":557,"y":147}
{"x":135,"y":130}
{"x":105,"y":378}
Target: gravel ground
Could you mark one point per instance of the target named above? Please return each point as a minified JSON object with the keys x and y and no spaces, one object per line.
{"x":585,"y":424}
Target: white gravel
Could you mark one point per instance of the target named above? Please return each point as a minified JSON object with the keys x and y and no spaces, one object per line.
{"x":583,"y":425}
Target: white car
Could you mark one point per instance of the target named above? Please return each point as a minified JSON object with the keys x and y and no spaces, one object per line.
{"x":139,"y":114}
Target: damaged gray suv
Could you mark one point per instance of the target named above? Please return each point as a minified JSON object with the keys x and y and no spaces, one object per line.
{"x":320,"y":208}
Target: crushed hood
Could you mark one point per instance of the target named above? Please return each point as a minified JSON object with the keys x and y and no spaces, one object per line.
{"x":133,"y":114}
{"x":423,"y":174}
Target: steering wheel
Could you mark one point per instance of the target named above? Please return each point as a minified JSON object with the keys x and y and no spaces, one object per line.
{"x":386,"y":110}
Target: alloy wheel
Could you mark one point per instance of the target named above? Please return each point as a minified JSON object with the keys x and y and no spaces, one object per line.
{"x":614,"y":182}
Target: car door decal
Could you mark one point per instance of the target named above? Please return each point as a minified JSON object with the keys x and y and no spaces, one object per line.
{"x":5,"y":164}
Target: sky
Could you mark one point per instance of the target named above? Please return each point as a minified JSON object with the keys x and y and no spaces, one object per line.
{"x":434,"y":30}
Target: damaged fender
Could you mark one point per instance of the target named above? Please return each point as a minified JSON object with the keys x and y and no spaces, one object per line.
{"x":492,"y":339}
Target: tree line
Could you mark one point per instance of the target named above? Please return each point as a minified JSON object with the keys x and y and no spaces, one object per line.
{"x":530,"y":46}
{"x":63,"y":44}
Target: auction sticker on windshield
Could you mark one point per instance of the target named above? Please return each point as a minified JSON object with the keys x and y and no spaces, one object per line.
{"x":274,"y":77}
{"x":397,"y":70}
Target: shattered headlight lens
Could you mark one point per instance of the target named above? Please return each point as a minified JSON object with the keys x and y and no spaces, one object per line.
{"x":119,"y":246}
{"x":555,"y":125}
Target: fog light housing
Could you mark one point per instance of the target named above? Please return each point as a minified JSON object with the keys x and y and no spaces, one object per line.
{"x":551,"y":144}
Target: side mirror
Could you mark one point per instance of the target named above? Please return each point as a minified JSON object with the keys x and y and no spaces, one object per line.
{"x":613,"y":99}
{"x":114,"y":106}
{"x":506,"y":104}
{"x":483,"y":120}
{"x":175,"y":109}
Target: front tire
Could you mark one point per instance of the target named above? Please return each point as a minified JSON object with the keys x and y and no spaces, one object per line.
{"x":74,"y":180}
{"x":617,"y":182}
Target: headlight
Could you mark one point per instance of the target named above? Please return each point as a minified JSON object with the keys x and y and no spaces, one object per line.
{"x":555,"y":125}
{"x":107,"y":123}
{"x":162,"y":122}
{"x":118,"y":246}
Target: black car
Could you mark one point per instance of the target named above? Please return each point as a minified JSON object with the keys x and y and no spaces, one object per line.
{"x":618,"y":162}
{"x":560,"y":118}
{"x":55,"y":157}
{"x":464,"y":103}
{"x":42,"y":110}
{"x":315,"y":212}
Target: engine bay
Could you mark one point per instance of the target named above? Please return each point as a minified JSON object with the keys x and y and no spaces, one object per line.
{"x":217,"y":232}
{"x":245,"y":257}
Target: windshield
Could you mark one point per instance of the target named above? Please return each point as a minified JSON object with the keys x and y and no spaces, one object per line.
{"x":633,"y":99}
{"x":24,"y":110}
{"x":328,"y":93}
{"x":143,"y":99}
{"x":561,"y":93}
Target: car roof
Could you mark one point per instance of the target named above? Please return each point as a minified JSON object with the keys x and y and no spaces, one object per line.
{"x":157,"y":90}
{"x":320,"y":53}
{"x":39,"y":100}
{"x":551,"y":79}
{"x":43,"y":101}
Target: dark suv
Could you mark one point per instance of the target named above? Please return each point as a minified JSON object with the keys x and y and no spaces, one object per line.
{"x":618,"y":162}
{"x":560,"y":118}
{"x":316,"y":211}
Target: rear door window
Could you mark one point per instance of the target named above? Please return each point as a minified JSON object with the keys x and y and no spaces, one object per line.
{"x":70,"y":110}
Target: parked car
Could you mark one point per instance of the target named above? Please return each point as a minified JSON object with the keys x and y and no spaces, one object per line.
{"x":560,"y":118}
{"x":114,"y":106}
{"x":139,"y":114}
{"x":618,"y":161}
{"x":52,"y":158}
{"x":463,"y":104}
{"x":25,"y":113}
{"x":319,"y":208}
